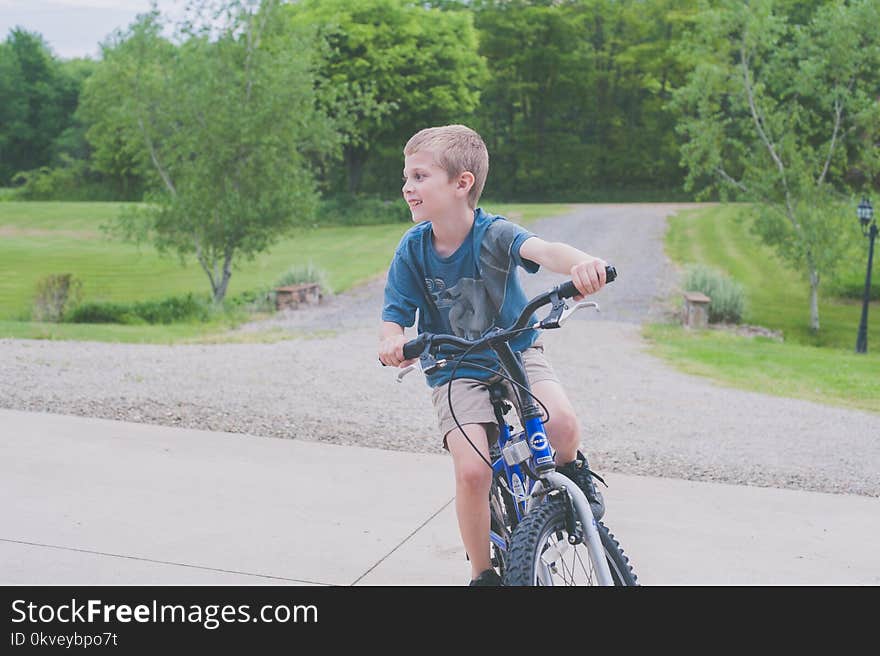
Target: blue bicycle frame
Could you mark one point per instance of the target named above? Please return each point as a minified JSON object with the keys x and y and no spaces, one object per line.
{"x":520,"y":485}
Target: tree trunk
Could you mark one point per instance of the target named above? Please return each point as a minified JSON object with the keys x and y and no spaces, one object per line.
{"x":354,"y":167}
{"x":814,"y":300}
{"x":220,"y":289}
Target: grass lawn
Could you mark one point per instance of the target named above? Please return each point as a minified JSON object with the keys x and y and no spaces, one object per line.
{"x":41,"y":238}
{"x":822,"y":367}
{"x":764,"y":365}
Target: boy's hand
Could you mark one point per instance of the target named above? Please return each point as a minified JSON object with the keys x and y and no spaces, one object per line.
{"x":391,"y":351}
{"x":588,"y":276}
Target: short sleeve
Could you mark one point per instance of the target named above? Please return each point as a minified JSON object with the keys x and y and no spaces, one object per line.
{"x":521,"y":236}
{"x":401,"y":293}
{"x":503,"y":240}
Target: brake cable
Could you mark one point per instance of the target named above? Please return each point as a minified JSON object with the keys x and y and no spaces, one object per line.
{"x":458,"y":361}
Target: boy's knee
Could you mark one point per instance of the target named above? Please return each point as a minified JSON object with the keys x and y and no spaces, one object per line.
{"x":472,"y":474}
{"x":565,"y":427}
{"x":473,"y":477}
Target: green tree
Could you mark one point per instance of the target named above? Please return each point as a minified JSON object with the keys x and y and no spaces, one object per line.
{"x":777,"y":113}
{"x":401,"y":66}
{"x":34,"y":101}
{"x":228,"y":121}
{"x":577,"y":94}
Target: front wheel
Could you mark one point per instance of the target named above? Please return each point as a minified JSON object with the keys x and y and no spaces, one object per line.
{"x":540,"y":553}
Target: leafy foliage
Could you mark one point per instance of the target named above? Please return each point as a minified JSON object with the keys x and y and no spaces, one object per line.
{"x":229,"y":123}
{"x":55,"y":293}
{"x":190,"y":307}
{"x":728,"y":297}
{"x":394,"y":67}
{"x":784,"y":113}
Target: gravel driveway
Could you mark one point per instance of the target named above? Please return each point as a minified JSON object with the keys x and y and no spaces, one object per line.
{"x":640,"y":416}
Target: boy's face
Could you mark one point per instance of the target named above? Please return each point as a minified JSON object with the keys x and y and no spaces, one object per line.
{"x":428,"y":190}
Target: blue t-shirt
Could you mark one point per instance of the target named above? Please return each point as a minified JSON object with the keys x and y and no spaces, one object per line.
{"x":465,"y":294}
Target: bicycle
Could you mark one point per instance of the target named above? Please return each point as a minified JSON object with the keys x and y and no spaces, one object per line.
{"x":540,"y":520}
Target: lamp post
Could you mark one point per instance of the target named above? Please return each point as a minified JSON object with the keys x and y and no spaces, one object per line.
{"x":869,"y":229}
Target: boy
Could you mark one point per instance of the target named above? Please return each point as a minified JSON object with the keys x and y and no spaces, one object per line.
{"x":457,"y":267}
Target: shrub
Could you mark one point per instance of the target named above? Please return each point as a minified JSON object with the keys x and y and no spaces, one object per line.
{"x":167,"y":310}
{"x":849,"y":280}
{"x":103,"y":312}
{"x":55,"y":294}
{"x":728,"y":298}
{"x":73,"y":180}
{"x":299,"y":274}
{"x":174,"y":308}
{"x":255,"y":300}
{"x":362,"y":210}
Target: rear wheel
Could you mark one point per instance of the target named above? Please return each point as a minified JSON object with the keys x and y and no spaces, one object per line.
{"x":502,"y":515}
{"x":540,"y":553}
{"x":500,"y":506}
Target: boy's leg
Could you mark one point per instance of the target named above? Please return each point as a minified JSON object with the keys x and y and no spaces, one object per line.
{"x":564,"y":433}
{"x":563,"y":429}
{"x":473,"y":478}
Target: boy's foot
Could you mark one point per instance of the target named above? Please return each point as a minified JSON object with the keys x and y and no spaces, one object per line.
{"x":579,"y":472}
{"x":488,"y":577}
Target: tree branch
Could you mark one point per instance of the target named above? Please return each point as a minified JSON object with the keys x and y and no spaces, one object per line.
{"x":838,"y":113}
{"x":759,"y":121}
{"x":736,"y":183}
{"x":202,"y":262}
{"x":744,"y":58}
{"x":153,"y":156}
{"x":838,"y":108}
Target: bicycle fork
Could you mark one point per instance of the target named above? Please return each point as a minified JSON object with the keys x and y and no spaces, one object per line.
{"x":584,"y":515}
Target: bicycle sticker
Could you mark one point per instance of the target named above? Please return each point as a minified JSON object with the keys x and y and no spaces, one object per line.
{"x":518,"y":488}
{"x":541,"y":461}
{"x":539,"y":441}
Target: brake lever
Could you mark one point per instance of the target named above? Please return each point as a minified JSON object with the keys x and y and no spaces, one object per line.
{"x":560,"y":313}
{"x":557,"y":308}
{"x":566,"y":315}
{"x":407,"y":370}
{"x":427,"y":364}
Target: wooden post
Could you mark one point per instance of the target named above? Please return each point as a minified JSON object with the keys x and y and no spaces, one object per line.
{"x":292,"y":295}
{"x":696,"y":310}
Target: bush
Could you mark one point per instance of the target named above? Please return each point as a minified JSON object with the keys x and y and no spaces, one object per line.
{"x":100,"y":312}
{"x":299,"y":274}
{"x":55,"y":294}
{"x":255,"y":300}
{"x":362,"y":210}
{"x":73,"y":181}
{"x":848,"y":280}
{"x":165,"y":311}
{"x":855,"y":289}
{"x":728,"y":298}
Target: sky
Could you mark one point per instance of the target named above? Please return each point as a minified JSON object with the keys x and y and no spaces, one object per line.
{"x":74,"y":28}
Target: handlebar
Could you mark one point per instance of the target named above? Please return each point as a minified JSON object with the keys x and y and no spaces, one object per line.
{"x":415,"y":348}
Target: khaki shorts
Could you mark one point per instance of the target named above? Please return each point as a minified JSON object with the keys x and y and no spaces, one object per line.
{"x":470,"y":397}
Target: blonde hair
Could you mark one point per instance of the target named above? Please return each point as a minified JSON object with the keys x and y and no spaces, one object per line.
{"x":456,"y":149}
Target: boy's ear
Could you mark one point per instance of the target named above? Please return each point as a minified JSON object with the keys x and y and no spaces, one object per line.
{"x":465,"y":181}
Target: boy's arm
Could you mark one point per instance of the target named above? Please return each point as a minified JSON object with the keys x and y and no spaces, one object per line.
{"x":587,"y":272}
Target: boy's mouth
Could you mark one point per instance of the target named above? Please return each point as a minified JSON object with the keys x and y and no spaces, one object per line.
{"x":414,"y":203}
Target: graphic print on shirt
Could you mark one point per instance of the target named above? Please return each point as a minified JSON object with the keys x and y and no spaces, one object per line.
{"x":474,"y":304}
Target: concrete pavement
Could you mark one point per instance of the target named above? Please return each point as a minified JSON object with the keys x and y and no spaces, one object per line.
{"x":96,"y":502}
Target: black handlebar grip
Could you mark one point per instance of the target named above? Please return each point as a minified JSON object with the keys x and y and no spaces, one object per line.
{"x":567,"y":289}
{"x":414,"y":348}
